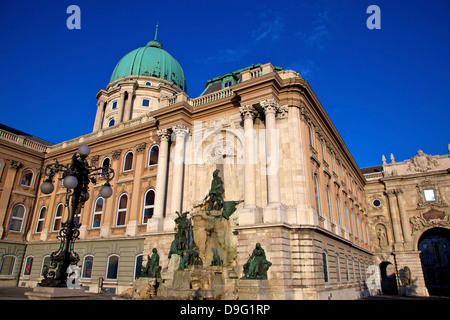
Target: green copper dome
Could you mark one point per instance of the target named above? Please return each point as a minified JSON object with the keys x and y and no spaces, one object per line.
{"x":153,"y":61}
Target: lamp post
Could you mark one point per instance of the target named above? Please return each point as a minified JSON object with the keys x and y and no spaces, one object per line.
{"x":76,"y":177}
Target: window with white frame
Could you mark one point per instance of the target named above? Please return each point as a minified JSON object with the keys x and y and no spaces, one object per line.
{"x":121,"y":214}
{"x":128,"y":161}
{"x":27,"y":178}
{"x":41,"y":219}
{"x":7,"y":265}
{"x":58,"y":217}
{"x":338,"y":268}
{"x":28,"y":266}
{"x":88,"y":264}
{"x":347,"y":268}
{"x":339,"y":209}
{"x":111,"y":122}
{"x":149,"y":205}
{"x":45,"y":264}
{"x":112,"y":268}
{"x":17,"y":218}
{"x":153,"y":155}
{"x":97,"y":214}
{"x":317,"y":195}
{"x":311,"y":135}
{"x":330,"y":210}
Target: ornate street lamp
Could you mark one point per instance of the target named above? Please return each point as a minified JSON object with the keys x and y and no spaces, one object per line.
{"x":75,"y":178}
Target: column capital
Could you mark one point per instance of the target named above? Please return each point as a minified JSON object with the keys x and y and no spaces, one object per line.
{"x":13,"y":164}
{"x":180,"y":129}
{"x":270,"y":106}
{"x":140,"y":147}
{"x":164,"y":134}
{"x":248,"y":112}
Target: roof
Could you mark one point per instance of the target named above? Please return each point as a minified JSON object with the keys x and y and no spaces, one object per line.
{"x":372,"y":169}
{"x":153,"y":61}
{"x":235,"y":77}
{"x":24,"y":134}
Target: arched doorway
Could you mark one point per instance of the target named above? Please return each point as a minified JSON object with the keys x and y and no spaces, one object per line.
{"x":388,"y":278}
{"x":434,"y":247}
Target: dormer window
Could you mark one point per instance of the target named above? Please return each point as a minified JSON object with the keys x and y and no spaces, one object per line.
{"x":148,"y":83}
{"x":227,"y":84}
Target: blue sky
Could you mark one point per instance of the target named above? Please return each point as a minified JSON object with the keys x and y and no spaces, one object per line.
{"x":386,"y":91}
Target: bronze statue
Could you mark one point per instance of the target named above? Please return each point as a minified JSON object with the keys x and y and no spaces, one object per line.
{"x":216,"y":261}
{"x":215,"y":198}
{"x":257,"y":265}
{"x":152,"y":269}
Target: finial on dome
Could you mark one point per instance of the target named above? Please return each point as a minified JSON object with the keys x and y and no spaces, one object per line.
{"x":156,"y":32}
{"x":155,"y":43}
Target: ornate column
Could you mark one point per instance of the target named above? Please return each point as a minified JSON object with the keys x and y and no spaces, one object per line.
{"x":180,"y":132}
{"x":403,"y":218}
{"x":249,"y":215}
{"x":394,"y":219}
{"x":155,"y":224}
{"x":274,"y":212}
{"x":124,"y":96}
{"x":249,"y":114}
{"x":128,"y":106}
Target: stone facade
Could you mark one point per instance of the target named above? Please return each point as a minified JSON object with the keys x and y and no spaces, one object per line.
{"x":403,"y":200}
{"x":276,"y":149}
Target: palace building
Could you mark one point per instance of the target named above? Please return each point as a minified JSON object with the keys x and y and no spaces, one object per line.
{"x":321,"y":221}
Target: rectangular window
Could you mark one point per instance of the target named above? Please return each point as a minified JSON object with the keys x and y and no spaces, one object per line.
{"x":429,"y":195}
{"x":145,"y":102}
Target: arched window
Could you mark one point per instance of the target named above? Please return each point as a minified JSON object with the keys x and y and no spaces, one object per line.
{"x":7,"y":265}
{"x":149,"y":204}
{"x":153,"y":154}
{"x":148,"y":83}
{"x":41,"y":218}
{"x":326,"y":275}
{"x":28,"y":266}
{"x":97,"y":214}
{"x":105,"y":164}
{"x":17,"y":218}
{"x":121,"y":210}
{"x":27,"y":178}
{"x":346,"y":215}
{"x":88,"y":263}
{"x":338,"y":268}
{"x":138,"y":266}
{"x":45,"y":262}
{"x":113,"y":267}
{"x":347,"y":268}
{"x":330,"y":210}
{"x":317,"y":195}
{"x":339,"y":209}
{"x":111,"y":122}
{"x":58,"y":217}
{"x":128,"y":161}
{"x":311,"y":135}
